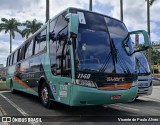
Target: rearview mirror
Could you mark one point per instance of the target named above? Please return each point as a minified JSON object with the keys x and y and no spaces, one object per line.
{"x":140,"y":40}
{"x":72,"y":24}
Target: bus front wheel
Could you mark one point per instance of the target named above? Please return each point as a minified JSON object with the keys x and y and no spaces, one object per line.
{"x":45,"y":96}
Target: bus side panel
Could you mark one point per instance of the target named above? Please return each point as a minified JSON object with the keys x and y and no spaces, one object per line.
{"x":29,"y":73}
{"x":11,"y":78}
{"x":9,"y":74}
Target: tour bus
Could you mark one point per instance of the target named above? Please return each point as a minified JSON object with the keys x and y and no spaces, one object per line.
{"x":144,"y":75}
{"x":77,"y":58}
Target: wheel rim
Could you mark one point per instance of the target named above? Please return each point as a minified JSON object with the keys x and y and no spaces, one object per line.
{"x":44,"y":95}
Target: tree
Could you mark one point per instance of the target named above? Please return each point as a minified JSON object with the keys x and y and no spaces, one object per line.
{"x":31,"y":27}
{"x":10,"y":26}
{"x":47,"y":10}
{"x":121,"y":9}
{"x":155,"y":57}
{"x":149,"y":3}
{"x":90,"y":5}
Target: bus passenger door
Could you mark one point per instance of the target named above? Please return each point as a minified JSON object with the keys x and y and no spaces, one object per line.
{"x":63,"y":71}
{"x":60,"y":58}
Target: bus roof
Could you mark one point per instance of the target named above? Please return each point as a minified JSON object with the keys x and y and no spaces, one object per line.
{"x":67,"y":9}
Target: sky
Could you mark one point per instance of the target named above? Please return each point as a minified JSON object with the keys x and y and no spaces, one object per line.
{"x":135,"y":15}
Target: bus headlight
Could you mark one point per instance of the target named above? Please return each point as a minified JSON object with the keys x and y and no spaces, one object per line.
{"x":135,"y":83}
{"x":85,"y":83}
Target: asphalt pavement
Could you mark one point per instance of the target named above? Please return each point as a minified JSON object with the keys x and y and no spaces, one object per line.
{"x":24,"y":105}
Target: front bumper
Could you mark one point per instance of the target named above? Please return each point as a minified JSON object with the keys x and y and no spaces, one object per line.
{"x":145,"y":91}
{"x":92,"y":96}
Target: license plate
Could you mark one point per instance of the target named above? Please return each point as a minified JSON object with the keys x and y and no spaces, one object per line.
{"x":113,"y":97}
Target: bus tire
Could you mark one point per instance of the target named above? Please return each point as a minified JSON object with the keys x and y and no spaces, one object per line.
{"x":13,"y":91}
{"x":45,"y":95}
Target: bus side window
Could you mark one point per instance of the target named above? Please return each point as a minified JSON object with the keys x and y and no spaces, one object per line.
{"x":22,"y":53}
{"x":28,"y":49}
{"x":19,"y":55}
{"x":53,"y":46}
{"x":66,"y":60}
{"x":60,"y":33}
{"x":33,"y":49}
{"x":15,"y":57}
{"x":52,"y":25}
{"x":11,"y":59}
{"x":42,"y":40}
{"x":7,"y":61}
{"x":64,"y":52}
{"x":60,"y":25}
{"x":36,"y":45}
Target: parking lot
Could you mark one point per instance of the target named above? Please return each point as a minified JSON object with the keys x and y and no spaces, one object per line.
{"x":22,"y":104}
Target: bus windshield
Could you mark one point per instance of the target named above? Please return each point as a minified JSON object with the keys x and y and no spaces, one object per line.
{"x":142,"y":63}
{"x":99,"y":45}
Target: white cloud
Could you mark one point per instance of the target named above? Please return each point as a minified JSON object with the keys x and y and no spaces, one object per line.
{"x":4,"y":49}
{"x":56,"y":6}
{"x":155,"y":37}
{"x":155,"y":8}
{"x":135,"y":15}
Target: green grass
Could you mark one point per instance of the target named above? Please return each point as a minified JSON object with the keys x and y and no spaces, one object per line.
{"x":3,"y":86}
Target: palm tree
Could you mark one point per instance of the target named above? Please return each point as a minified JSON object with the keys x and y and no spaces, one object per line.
{"x":47,"y":10}
{"x":10,"y":26}
{"x":149,"y":3}
{"x":121,"y":9}
{"x":90,"y":5}
{"x":31,"y":27}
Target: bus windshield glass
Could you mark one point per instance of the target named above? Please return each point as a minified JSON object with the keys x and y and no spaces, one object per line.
{"x":142,"y":63}
{"x":99,"y":45}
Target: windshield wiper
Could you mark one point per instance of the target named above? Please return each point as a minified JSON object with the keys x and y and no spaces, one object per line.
{"x":123,"y":64}
{"x":105,"y":64}
{"x":125,"y":45}
{"x":144,"y":69}
{"x":114,"y":55}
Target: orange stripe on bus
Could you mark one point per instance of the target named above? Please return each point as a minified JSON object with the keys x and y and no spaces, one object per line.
{"x":22,"y":83}
{"x":116,"y":86}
